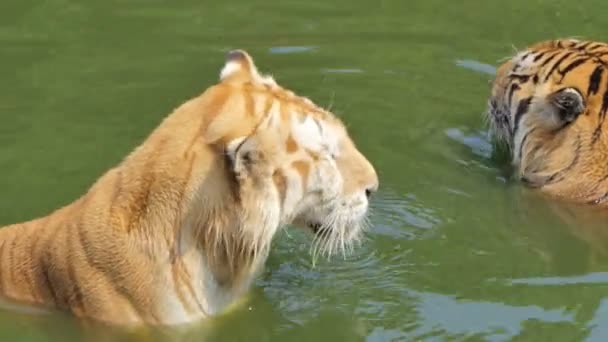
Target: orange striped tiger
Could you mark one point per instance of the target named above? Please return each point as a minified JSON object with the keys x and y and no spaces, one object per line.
{"x":180,"y":228}
{"x":548,"y":104}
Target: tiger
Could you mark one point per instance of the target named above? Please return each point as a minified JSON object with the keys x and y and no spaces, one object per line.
{"x":548,"y":106}
{"x":180,"y":228}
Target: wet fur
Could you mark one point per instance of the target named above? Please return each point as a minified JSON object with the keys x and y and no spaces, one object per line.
{"x":179,"y":229}
{"x":557,"y":145}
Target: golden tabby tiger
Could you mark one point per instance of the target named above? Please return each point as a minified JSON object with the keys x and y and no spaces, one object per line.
{"x":179,"y":229}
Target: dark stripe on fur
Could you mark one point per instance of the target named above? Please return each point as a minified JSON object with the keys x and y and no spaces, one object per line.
{"x":559,"y":175}
{"x":514,"y":87}
{"x":595,"y":46}
{"x":522,"y":108}
{"x":557,"y":64}
{"x":573,"y":66}
{"x":546,"y":61}
{"x":48,"y":284}
{"x":109,"y":274}
{"x":76,"y":298}
{"x":594,"y":80}
{"x":598,"y":129}
{"x":47,"y":263}
{"x":539,"y":56}
{"x":584,"y":45}
{"x":521,"y":78}
{"x":523,"y":142}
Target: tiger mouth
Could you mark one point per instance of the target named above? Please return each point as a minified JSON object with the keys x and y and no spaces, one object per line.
{"x":501,"y":125}
{"x":315,"y":227}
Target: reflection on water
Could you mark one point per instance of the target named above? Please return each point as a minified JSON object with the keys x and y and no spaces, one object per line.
{"x":440,"y":313}
{"x":478,"y":142}
{"x":343,"y":71}
{"x":402,"y":217}
{"x":591,"y":278}
{"x":598,"y":326}
{"x":476,"y":66}
{"x":290,"y":49}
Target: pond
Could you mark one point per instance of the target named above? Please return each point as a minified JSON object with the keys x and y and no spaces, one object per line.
{"x":458,"y":250}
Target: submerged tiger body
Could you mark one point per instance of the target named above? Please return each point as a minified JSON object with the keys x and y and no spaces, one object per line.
{"x":548,"y":104}
{"x":179,"y":229}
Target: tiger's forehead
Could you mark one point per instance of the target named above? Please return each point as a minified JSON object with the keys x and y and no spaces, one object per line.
{"x":548,"y":53}
{"x":310,"y":126}
{"x":313,"y":133}
{"x":273,"y":106}
{"x":552,"y":64}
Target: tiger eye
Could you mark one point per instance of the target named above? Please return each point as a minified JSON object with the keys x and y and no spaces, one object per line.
{"x":569,"y":103}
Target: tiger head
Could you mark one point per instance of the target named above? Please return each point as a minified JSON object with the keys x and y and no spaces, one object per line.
{"x":291,"y":161}
{"x":548,"y":104}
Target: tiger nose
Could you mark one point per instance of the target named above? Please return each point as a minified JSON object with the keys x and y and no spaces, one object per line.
{"x":371,"y":188}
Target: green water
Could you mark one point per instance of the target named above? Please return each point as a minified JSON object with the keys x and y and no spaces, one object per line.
{"x":458,"y":250}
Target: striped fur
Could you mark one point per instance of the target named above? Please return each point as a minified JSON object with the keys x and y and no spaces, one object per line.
{"x":549,"y":104}
{"x":178,"y":230}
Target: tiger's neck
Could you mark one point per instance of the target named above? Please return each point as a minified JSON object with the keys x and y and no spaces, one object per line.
{"x":580,"y":173}
{"x":182,"y":211}
{"x":165,"y":225}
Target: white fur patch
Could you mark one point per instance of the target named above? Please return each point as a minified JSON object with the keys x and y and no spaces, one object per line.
{"x":293,"y":190}
{"x":272,"y":117}
{"x":232,"y":146}
{"x":268,"y":80}
{"x":259,"y":107}
{"x":174,"y":311}
{"x":229,"y":69}
{"x":518,"y":139}
{"x":331,"y":137}
{"x":306,"y":133}
{"x":524,"y":62}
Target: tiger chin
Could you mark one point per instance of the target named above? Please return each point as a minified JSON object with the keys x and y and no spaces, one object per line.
{"x":548,"y":104}
{"x":179,"y":229}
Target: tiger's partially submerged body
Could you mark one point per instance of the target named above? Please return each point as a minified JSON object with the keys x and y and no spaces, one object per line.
{"x":179,"y":229}
{"x":549,"y":104}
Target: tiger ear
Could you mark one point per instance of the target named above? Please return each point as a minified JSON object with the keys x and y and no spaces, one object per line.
{"x":245,"y":156}
{"x":239,"y":66}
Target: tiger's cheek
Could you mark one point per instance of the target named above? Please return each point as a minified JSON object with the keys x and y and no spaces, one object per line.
{"x":313,"y":181}
{"x":328,"y":180}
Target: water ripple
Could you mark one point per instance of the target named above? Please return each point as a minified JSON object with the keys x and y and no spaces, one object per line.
{"x":342,"y":71}
{"x":591,"y":278}
{"x":478,"y":141}
{"x":291,"y":49}
{"x":447,"y":314}
{"x":476,"y":66}
{"x":599,"y":325}
{"x":395,"y":215}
